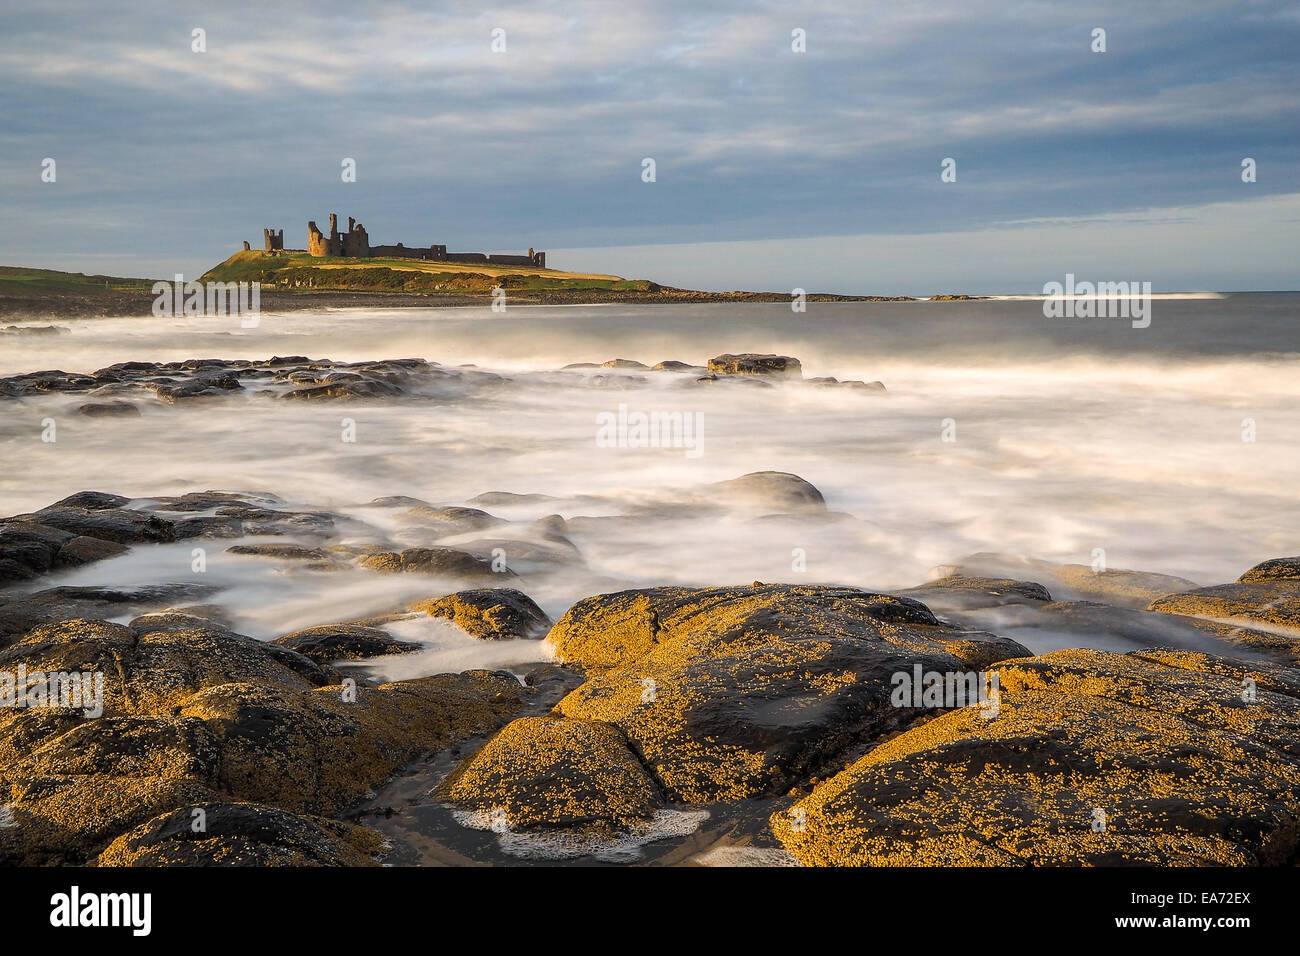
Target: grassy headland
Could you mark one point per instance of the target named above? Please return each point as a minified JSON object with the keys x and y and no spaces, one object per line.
{"x":293,"y":280}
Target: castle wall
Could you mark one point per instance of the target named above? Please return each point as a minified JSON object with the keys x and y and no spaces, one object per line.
{"x":317,"y":242}
{"x":355,"y":244}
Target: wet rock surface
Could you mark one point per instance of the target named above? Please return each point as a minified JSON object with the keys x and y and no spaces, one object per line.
{"x":680,"y":724}
{"x":490,"y":614}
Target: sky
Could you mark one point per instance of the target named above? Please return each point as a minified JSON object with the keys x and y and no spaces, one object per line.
{"x":773,"y":168}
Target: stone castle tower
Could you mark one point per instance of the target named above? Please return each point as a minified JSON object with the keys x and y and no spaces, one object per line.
{"x":355,"y":244}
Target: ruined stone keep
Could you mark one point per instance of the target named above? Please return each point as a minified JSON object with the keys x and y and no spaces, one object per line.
{"x":355,"y":243}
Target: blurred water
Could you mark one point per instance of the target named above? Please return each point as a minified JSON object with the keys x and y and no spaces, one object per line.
{"x":1070,"y":435}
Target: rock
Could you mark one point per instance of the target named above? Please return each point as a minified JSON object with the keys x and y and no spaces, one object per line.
{"x":283,"y":746}
{"x":1135,"y":589}
{"x":30,"y":548}
{"x":770,"y":490}
{"x":449,"y":521}
{"x":491,"y":498}
{"x":734,"y":693}
{"x":399,"y":501}
{"x":1271,"y":602}
{"x":286,"y":552}
{"x":110,"y":524}
{"x":83,"y":550}
{"x":365,"y":388}
{"x":975,"y":589}
{"x":448,"y":562}
{"x":547,"y":772}
{"x":336,"y":642}
{"x":1160,"y":742}
{"x":673,"y":366}
{"x":624,"y":363}
{"x":24,"y":612}
{"x":92,"y":501}
{"x":193,"y":715}
{"x":490,"y":614}
{"x":1274,"y":569}
{"x":68,"y":820}
{"x":242,"y":834}
{"x":753,"y":363}
{"x":109,"y":410}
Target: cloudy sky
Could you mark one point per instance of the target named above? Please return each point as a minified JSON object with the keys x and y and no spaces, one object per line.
{"x":774,"y":168}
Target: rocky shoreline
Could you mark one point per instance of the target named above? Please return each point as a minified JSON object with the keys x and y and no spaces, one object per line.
{"x":753,"y":724}
{"x":759,"y":723}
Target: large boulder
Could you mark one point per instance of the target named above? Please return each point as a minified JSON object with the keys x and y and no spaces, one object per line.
{"x":733,"y":693}
{"x":1154,"y":757}
{"x":549,"y":772}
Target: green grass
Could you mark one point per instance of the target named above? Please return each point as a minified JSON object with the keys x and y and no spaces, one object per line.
{"x":299,"y":271}
{"x":15,"y":278}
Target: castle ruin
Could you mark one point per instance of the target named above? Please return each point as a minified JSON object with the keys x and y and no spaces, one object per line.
{"x":355,"y":244}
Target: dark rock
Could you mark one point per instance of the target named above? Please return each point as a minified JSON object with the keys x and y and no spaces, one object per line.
{"x":109,"y":410}
{"x":753,"y":363}
{"x":242,"y":834}
{"x":772,"y":491}
{"x":335,"y":642}
{"x":449,"y":562}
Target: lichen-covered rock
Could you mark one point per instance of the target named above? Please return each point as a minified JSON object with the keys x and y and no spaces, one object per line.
{"x":490,"y":614}
{"x":326,"y":643}
{"x":242,"y":834}
{"x":67,"y":820}
{"x":546,"y":771}
{"x":157,"y":670}
{"x":193,"y":712}
{"x":1152,"y":757}
{"x":730,"y":693}
{"x":319,"y":751}
{"x":448,"y":562}
{"x":1274,"y":569}
{"x":753,"y":363}
{"x":1266,"y":595}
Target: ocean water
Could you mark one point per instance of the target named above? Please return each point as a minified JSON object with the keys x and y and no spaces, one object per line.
{"x":1174,"y":448}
